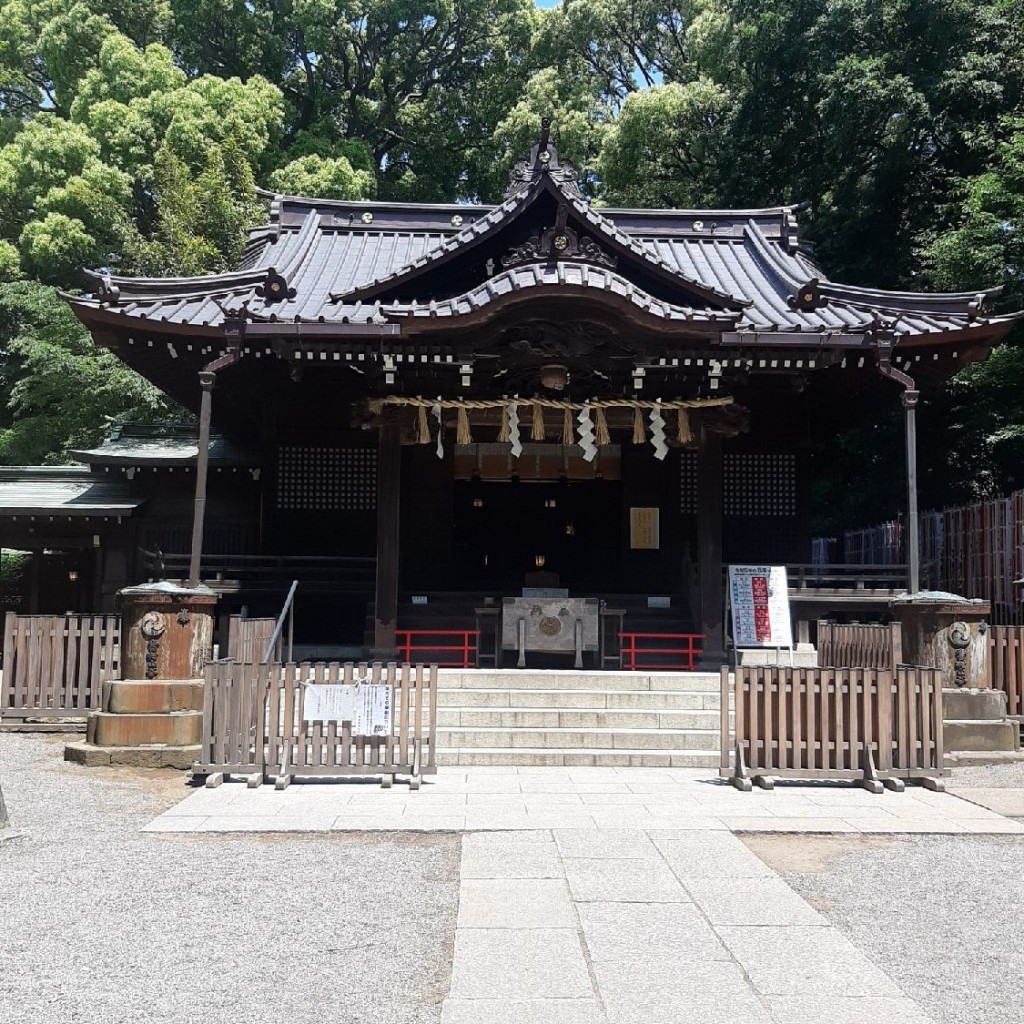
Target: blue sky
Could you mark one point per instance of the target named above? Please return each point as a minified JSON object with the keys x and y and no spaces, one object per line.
{"x":546,"y":3}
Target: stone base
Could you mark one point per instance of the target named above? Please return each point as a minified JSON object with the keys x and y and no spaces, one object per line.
{"x":974,"y":758}
{"x":804,"y":656}
{"x":154,"y":756}
{"x":152,"y":696}
{"x":175,"y":728}
{"x":981,"y":735}
{"x":974,"y":705}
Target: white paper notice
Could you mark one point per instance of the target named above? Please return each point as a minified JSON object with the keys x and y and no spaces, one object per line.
{"x":373,"y":710}
{"x":328,"y":702}
{"x":759,"y":596}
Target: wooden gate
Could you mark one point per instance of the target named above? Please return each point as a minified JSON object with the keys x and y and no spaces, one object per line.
{"x":248,"y":638}
{"x":842,"y":723}
{"x":1006,"y":648}
{"x":55,"y":665}
{"x":253,"y":724}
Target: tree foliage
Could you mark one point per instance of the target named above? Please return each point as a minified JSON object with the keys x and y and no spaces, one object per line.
{"x":133,"y":134}
{"x":57,"y":390}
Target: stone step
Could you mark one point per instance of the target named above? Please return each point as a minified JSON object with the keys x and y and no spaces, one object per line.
{"x":549,"y":757}
{"x":981,"y":735}
{"x":971,"y":758}
{"x":648,"y":700}
{"x":560,"y":679}
{"x":590,"y":739}
{"x":553,"y":718}
{"x":176,"y":728}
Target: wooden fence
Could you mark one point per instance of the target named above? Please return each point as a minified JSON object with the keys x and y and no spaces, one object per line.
{"x":55,"y":665}
{"x":1006,"y":667}
{"x":248,"y":638}
{"x":976,"y":550}
{"x":845,"y":723}
{"x":253,"y":724}
{"x":859,"y":646}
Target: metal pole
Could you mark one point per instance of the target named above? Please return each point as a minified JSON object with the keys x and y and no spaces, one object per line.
{"x":207,"y":379}
{"x":910,"y":399}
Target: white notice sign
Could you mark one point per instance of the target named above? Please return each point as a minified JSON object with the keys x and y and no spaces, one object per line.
{"x":368,"y":706}
{"x":759,"y":595}
{"x":328,"y":702}
{"x":373,"y":710}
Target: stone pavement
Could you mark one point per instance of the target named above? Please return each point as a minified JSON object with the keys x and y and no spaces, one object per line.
{"x":622,"y":895}
{"x":513,"y":799}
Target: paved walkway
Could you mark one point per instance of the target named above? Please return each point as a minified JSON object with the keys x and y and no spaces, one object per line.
{"x":622,"y":895}
{"x":525,"y":799}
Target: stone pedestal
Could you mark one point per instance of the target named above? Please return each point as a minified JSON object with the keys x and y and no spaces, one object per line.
{"x":152,"y":717}
{"x":950,"y":633}
{"x":946,"y":632}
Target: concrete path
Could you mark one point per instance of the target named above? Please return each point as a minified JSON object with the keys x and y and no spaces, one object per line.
{"x":580,"y":926}
{"x":528,"y":799}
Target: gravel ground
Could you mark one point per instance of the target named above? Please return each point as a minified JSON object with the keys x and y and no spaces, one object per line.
{"x":998,"y":776}
{"x":102,"y":924}
{"x":939,"y":914}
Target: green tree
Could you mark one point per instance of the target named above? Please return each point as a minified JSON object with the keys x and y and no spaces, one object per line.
{"x":57,"y":390}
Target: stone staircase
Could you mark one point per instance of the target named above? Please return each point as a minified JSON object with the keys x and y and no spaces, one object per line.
{"x":578,"y":718}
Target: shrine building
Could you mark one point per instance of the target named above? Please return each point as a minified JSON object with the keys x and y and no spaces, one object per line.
{"x":419,"y":410}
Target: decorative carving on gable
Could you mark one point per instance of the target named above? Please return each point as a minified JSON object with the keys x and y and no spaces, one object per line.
{"x":544,"y":159}
{"x":556,"y":243}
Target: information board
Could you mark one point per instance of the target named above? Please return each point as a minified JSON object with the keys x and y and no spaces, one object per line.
{"x":759,"y":597}
{"x":368,"y":706}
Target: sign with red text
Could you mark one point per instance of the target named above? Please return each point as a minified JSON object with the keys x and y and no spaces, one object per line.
{"x":759,"y":597}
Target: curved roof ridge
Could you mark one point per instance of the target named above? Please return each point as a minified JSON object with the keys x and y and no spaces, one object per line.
{"x":179,"y":286}
{"x":775,"y":259}
{"x":471,"y":231}
{"x":527,"y":276}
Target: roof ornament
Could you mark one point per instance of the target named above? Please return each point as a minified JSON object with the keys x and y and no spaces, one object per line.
{"x":808,"y":297}
{"x":976,"y":308}
{"x":543,"y":159}
{"x":275,"y":287}
{"x":558,"y":242}
{"x":108,"y":291}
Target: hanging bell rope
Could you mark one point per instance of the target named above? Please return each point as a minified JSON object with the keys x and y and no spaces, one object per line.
{"x":462,"y":433}
{"x":537,"y":429}
{"x":683,"y":429}
{"x":567,"y":430}
{"x":638,"y":426}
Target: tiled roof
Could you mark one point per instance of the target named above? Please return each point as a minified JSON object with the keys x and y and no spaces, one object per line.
{"x":134,"y":446}
{"x":61,"y":491}
{"x":332,"y":255}
{"x":565,"y":274}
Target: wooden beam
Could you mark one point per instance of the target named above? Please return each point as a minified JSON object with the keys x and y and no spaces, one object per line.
{"x":389,"y":468}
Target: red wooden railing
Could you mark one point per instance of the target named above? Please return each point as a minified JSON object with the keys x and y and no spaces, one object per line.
{"x":410,"y":642}
{"x":680,"y":657}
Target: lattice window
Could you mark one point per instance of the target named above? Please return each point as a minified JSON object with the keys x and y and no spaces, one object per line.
{"x":688,"y":483}
{"x":759,"y":485}
{"x":327,"y":479}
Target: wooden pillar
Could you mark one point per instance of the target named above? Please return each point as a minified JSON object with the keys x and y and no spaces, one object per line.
{"x":389,"y":469}
{"x":709,"y":547}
